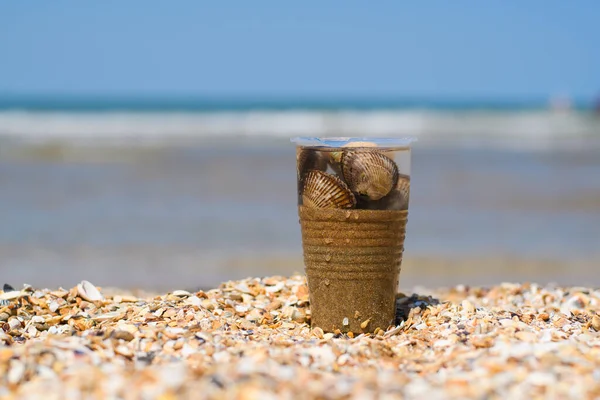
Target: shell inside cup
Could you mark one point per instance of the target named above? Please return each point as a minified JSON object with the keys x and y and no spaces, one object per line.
{"x":335,"y":157}
{"x":369,"y":173}
{"x":323,"y":190}
{"x":401,"y":193}
{"x":397,"y":199}
{"x":308,"y":159}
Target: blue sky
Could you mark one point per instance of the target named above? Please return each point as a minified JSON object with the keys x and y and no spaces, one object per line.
{"x":440,"y":49}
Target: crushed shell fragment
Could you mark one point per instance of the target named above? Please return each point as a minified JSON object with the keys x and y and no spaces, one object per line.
{"x":14,"y":294}
{"x":183,"y":350}
{"x":88,"y":291}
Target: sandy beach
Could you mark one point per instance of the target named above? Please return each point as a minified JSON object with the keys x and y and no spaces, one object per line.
{"x":251,"y":339}
{"x":166,"y":225}
{"x":173,"y":175}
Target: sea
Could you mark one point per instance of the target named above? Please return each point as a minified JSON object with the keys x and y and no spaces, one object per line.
{"x":164,"y":194}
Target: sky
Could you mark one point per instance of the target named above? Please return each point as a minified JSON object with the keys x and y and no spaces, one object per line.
{"x":435,"y":49}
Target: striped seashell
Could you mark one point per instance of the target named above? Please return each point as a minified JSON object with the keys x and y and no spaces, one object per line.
{"x":369,"y":173}
{"x":308,"y":159}
{"x":322,"y":190}
{"x":397,"y":199}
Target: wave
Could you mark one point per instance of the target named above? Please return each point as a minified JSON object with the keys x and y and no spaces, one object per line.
{"x":518,"y":129}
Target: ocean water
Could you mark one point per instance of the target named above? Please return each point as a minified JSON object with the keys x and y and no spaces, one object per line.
{"x":163,"y":197}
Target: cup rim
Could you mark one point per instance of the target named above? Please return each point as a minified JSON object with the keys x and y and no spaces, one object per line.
{"x":306,"y":141}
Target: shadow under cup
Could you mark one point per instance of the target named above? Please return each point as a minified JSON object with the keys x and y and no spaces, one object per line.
{"x":353,"y":206}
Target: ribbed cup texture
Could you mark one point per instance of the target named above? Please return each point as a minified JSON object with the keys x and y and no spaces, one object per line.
{"x":352,"y":260}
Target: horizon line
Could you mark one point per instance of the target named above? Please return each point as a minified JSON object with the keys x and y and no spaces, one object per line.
{"x":173,"y":102}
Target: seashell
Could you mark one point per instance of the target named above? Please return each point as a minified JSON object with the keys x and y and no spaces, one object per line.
{"x":109,"y":316}
{"x":59,"y":293}
{"x":14,"y":323}
{"x":81,"y":324}
{"x":275,"y":288}
{"x":124,"y":351}
{"x":322,"y":190}
{"x":308,"y":159}
{"x":88,"y":291}
{"x":13,"y":294}
{"x":8,"y":288}
{"x":335,"y":157}
{"x":369,"y":173}
{"x":397,"y":199}
{"x":299,"y":315}
{"x":122,"y":335}
{"x":16,"y":372}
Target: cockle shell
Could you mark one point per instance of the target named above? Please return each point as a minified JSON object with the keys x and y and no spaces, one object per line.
{"x":397,"y":199}
{"x":322,"y":190}
{"x":401,"y":193}
{"x":335,"y":157}
{"x":308,"y":159}
{"x":369,"y":173}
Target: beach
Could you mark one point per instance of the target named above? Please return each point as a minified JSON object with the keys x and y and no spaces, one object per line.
{"x":251,"y":339}
{"x":299,"y":201}
{"x":172,"y":215}
{"x":193,"y":246}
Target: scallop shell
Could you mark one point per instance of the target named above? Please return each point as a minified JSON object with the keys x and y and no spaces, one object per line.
{"x":322,"y":190}
{"x":308,"y":159}
{"x":369,"y":173}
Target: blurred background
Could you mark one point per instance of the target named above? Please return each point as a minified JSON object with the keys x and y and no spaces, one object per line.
{"x":145,"y":144}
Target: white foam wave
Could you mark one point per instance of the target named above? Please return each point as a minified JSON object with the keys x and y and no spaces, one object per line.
{"x":534,"y":129}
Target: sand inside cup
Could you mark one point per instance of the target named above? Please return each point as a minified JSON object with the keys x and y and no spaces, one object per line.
{"x":352,"y":260}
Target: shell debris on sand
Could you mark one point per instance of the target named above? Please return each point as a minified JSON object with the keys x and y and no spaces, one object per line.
{"x":89,"y":292}
{"x":251,"y":339}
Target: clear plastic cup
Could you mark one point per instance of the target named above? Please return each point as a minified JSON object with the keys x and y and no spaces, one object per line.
{"x":353,"y":196}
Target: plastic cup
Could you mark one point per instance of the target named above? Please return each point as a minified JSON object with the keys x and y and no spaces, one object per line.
{"x":353,"y":196}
